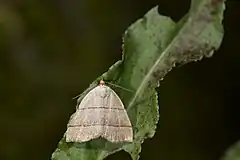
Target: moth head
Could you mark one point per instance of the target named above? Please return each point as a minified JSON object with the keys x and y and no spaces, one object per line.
{"x":101,"y":83}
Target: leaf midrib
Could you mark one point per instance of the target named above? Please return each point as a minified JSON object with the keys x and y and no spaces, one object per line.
{"x":160,"y":58}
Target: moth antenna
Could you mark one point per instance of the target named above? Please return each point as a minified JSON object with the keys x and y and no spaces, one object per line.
{"x":76,"y":96}
{"x":129,"y":90}
{"x":79,"y":95}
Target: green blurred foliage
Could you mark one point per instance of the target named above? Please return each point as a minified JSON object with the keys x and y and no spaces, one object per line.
{"x":51,"y":50}
{"x":233,"y":153}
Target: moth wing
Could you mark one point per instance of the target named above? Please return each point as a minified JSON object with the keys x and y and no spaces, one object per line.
{"x":81,"y":126}
{"x":118,"y":127}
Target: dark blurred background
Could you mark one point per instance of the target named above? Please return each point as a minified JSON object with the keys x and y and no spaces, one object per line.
{"x":51,"y":51}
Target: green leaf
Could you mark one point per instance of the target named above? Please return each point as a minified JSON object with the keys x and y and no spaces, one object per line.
{"x":152,"y":47}
{"x":233,"y":153}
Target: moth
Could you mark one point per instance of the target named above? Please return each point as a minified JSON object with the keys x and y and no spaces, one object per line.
{"x":101,"y":113}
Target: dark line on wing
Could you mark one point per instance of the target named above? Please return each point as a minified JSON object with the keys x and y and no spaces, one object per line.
{"x":88,"y":125}
{"x":100,"y":108}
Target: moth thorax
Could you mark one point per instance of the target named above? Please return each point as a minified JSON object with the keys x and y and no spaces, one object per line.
{"x":103,"y":91}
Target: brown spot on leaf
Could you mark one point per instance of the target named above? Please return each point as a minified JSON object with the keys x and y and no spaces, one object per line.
{"x":216,"y":2}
